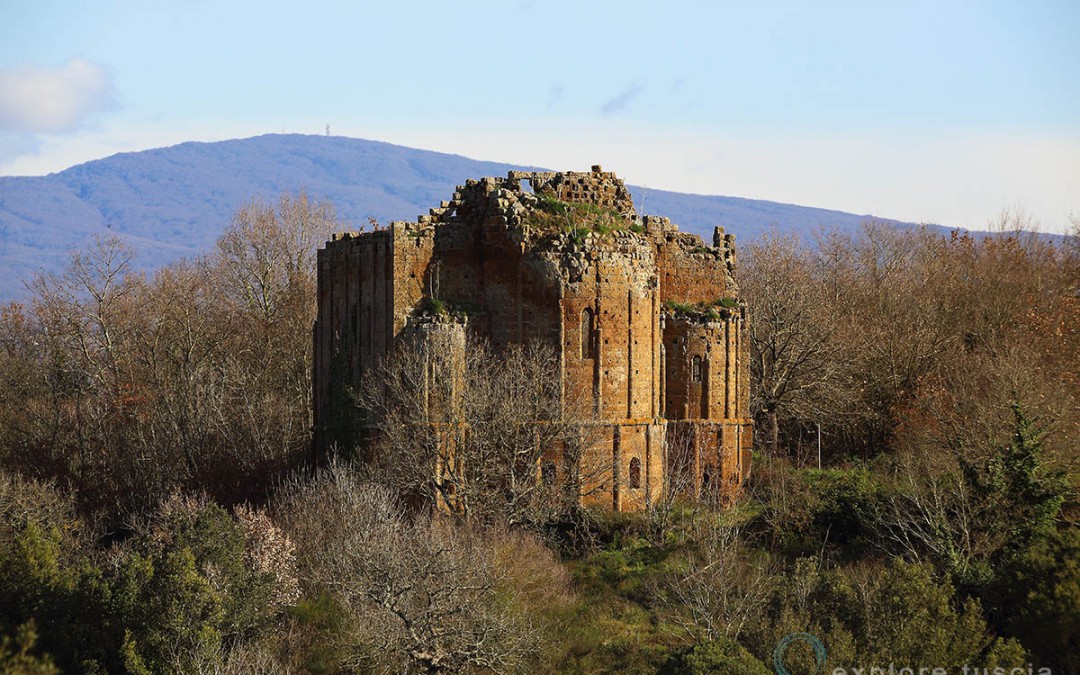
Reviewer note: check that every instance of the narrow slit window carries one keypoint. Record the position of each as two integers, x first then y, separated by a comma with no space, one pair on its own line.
695,369
635,474
586,332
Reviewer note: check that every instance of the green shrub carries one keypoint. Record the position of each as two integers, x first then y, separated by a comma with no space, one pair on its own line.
680,307
315,641
1040,600
578,218
434,307
184,585
720,656
704,311
17,657
48,583
551,204
577,236
865,614
845,507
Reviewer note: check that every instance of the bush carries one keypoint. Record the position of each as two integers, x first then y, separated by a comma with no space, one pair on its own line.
16,657
802,511
846,504
188,583
434,307
48,583
871,614
180,591
719,656
1040,592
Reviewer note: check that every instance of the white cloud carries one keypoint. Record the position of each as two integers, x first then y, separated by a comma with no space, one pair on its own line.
40,100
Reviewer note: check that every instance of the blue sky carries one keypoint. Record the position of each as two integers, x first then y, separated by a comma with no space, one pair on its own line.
946,112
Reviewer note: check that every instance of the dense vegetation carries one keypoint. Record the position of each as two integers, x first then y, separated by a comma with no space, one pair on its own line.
155,515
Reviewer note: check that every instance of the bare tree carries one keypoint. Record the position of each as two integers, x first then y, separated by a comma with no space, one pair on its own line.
265,262
84,320
87,307
421,593
949,504
1072,240
267,253
852,332
723,588
680,486
473,431
197,377
28,406
795,357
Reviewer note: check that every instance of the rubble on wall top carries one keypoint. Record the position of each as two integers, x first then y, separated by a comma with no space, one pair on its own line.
504,203
355,234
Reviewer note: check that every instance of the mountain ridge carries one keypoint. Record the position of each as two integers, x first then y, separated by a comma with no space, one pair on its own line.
174,201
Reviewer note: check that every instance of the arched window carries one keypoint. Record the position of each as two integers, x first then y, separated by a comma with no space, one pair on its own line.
548,472
586,332
695,369
706,477
635,474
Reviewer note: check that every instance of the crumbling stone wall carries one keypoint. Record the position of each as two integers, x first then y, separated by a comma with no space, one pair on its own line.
601,188
646,319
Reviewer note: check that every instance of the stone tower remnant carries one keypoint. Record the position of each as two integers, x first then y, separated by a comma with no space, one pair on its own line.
644,316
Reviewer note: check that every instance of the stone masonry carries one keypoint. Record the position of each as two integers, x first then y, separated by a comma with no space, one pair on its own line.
646,319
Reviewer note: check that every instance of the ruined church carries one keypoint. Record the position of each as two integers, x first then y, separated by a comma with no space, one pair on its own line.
645,318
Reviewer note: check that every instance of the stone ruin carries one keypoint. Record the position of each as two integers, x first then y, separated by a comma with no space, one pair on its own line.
645,317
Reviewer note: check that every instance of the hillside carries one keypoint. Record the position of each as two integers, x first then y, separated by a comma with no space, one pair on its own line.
174,201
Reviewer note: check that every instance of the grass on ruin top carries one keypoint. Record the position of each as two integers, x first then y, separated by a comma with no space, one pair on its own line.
429,306
579,219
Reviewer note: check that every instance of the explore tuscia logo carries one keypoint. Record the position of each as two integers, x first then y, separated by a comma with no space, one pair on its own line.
820,658
785,642
926,670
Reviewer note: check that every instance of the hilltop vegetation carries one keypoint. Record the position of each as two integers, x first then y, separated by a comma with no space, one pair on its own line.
154,516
